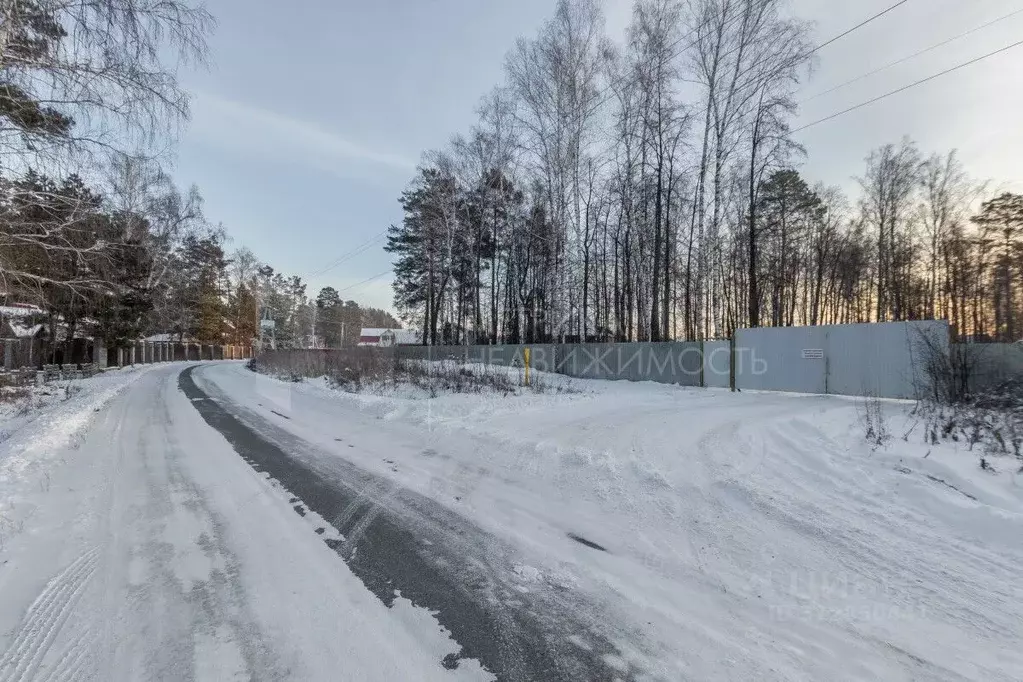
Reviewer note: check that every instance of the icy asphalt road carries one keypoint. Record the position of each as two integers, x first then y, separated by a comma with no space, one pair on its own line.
181,560
399,542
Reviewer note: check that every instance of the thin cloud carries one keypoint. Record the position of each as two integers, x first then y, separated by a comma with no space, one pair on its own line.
259,130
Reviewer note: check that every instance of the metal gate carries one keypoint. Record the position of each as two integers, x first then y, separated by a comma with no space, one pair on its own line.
886,360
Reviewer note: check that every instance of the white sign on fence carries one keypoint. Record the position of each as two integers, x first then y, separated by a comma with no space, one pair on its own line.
813,353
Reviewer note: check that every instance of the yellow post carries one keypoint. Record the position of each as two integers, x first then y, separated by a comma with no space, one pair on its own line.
525,356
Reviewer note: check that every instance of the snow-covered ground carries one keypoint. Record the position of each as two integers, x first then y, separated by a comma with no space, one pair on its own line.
37,423
138,546
747,535
742,536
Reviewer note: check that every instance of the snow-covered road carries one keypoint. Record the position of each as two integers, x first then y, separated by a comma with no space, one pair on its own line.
214,524
156,553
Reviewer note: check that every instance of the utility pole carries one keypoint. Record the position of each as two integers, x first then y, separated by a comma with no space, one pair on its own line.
313,341
267,331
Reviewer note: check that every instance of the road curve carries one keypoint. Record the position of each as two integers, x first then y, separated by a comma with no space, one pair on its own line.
399,542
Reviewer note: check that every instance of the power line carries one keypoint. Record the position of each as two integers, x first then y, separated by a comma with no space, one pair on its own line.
367,281
915,55
671,48
856,27
359,250
911,85
362,248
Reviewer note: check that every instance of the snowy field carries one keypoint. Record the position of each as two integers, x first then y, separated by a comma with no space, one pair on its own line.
710,535
748,535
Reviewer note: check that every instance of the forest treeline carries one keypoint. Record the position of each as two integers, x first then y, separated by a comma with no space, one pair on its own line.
93,231
652,191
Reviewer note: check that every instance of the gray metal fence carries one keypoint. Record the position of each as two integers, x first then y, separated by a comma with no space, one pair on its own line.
717,364
990,363
884,360
887,360
667,363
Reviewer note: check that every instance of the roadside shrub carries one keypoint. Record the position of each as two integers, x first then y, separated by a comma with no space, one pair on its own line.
874,422
544,383
21,400
347,368
355,370
14,394
989,422
448,376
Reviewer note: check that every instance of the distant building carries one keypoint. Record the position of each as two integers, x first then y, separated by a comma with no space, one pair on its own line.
21,321
385,338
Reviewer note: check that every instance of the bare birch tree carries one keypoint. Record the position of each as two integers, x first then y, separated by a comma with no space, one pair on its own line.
556,78
889,185
947,195
746,55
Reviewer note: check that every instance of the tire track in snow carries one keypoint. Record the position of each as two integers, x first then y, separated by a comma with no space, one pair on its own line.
71,663
45,618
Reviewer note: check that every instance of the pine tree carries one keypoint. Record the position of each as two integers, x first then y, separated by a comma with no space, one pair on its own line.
429,249
330,323
31,33
202,296
244,315
786,208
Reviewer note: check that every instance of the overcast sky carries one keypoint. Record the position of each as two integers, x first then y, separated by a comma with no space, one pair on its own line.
315,113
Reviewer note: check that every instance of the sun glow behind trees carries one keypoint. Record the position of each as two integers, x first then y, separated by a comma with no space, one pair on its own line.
651,191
